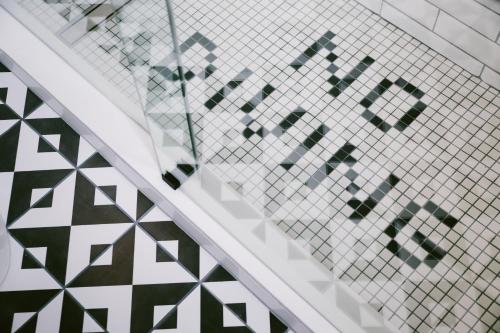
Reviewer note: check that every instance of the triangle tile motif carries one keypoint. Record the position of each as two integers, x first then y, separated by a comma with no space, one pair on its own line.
109,306
36,153
49,317
3,94
239,309
230,318
110,190
23,184
37,194
8,144
119,189
86,212
91,243
143,205
188,250
146,298
25,271
212,316
39,253
105,259
89,251
5,125
147,269
85,151
44,112
29,261
101,198
169,322
68,138
54,239
118,273
31,103
6,113
160,312
95,161
48,143
97,250
26,326
237,299
90,325
73,317
100,315
45,201
162,255
54,209
16,302
185,317
16,92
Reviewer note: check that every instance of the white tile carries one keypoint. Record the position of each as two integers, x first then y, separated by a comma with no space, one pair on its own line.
373,5
494,5
431,39
468,40
419,10
472,14
491,77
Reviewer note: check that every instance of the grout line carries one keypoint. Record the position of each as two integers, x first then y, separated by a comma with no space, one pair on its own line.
482,70
453,16
487,7
432,48
62,290
462,22
435,21
425,42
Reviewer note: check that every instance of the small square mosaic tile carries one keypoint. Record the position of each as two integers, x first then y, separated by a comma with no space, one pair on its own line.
374,150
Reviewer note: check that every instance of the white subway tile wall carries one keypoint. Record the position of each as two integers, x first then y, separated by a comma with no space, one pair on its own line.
494,5
489,75
473,14
468,40
419,10
374,5
465,31
432,39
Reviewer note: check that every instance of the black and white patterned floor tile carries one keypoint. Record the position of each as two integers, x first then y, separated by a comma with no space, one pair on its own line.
91,253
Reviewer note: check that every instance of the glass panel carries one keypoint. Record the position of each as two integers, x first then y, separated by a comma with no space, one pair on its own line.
349,157
130,45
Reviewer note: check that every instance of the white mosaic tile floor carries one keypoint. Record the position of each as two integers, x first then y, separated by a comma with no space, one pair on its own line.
347,133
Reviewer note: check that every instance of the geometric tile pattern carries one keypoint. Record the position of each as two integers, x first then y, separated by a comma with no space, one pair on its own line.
89,252
375,151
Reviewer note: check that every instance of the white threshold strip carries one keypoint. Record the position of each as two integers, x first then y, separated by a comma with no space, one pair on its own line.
129,148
